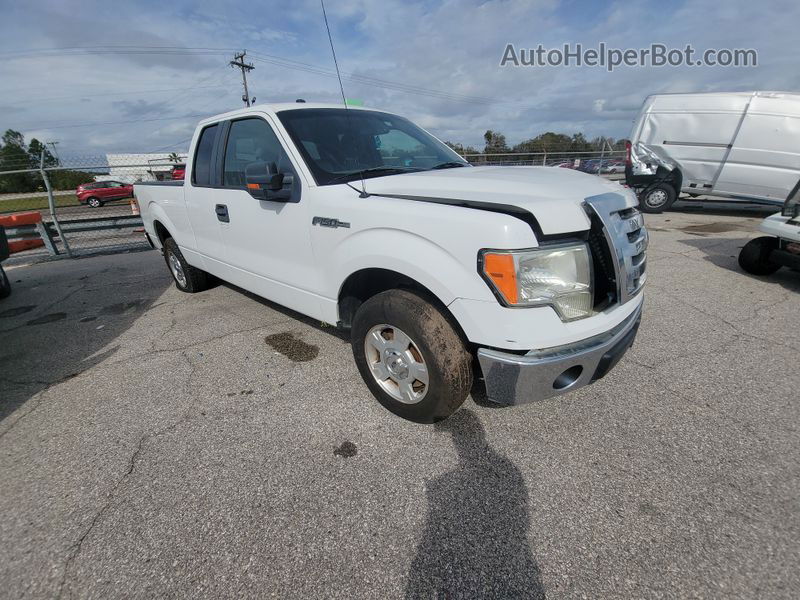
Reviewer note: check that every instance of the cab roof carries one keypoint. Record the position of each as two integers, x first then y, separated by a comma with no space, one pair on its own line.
276,108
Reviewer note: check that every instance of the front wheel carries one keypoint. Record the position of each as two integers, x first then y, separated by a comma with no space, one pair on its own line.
187,278
410,356
754,257
657,198
94,202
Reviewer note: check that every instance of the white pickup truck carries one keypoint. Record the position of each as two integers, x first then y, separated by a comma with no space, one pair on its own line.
530,276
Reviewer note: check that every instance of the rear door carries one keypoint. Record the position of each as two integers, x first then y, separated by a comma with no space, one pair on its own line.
201,189
267,243
116,190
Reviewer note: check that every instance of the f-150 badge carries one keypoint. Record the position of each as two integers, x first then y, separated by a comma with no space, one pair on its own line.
328,222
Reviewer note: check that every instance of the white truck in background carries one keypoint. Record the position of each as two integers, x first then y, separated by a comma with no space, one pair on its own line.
530,276
738,146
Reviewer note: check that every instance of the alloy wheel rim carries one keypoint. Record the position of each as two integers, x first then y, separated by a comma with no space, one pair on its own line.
177,269
396,363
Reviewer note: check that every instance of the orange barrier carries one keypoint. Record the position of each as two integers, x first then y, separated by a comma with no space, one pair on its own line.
17,219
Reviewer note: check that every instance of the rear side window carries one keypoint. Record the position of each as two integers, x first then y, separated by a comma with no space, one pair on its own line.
201,173
249,141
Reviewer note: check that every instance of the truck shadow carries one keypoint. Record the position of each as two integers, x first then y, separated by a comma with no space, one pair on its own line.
475,541
726,256
62,318
329,329
723,209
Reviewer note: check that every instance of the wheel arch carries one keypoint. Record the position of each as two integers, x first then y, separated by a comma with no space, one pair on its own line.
365,283
676,180
162,233
159,225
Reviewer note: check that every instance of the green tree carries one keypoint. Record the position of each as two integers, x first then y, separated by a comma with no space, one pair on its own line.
173,157
461,149
35,149
14,157
495,143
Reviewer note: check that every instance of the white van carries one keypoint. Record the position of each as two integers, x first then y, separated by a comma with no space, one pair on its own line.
742,146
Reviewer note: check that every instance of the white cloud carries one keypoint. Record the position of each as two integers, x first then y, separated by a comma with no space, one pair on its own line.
454,47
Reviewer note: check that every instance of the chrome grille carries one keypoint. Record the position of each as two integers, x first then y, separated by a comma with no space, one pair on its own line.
624,231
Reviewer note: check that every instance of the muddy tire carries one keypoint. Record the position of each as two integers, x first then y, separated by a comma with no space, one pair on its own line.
187,278
754,256
410,356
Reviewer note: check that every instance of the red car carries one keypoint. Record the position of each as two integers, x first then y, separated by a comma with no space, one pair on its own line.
178,172
98,193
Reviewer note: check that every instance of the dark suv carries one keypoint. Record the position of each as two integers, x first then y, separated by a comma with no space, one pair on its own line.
98,193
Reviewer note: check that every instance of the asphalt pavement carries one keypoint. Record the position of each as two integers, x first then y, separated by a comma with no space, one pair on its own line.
154,443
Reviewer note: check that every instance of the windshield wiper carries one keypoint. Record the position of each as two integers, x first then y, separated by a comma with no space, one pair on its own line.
384,170
449,165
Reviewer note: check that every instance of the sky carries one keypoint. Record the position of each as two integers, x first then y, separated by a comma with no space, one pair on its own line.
100,77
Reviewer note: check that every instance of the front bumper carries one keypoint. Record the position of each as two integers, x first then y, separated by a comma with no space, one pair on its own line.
540,374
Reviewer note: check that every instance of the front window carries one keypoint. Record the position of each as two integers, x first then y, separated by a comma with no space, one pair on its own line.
341,145
251,140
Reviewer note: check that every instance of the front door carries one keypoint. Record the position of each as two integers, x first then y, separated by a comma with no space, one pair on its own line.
267,243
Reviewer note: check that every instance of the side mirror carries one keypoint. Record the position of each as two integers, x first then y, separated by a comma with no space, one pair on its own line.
265,183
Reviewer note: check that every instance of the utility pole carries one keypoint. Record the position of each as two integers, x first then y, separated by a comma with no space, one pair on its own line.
53,146
238,62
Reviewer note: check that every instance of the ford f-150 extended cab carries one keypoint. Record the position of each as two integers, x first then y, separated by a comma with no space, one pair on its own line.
529,276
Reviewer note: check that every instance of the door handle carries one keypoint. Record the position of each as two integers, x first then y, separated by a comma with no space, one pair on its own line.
222,213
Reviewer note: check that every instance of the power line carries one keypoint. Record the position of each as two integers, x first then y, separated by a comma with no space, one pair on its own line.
372,81
115,122
126,93
291,63
121,50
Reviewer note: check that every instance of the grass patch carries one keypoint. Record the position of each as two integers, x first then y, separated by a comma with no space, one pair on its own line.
35,203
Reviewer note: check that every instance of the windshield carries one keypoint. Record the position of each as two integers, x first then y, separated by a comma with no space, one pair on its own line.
341,145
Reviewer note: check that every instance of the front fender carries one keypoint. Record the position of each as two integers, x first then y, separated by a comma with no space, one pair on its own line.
412,255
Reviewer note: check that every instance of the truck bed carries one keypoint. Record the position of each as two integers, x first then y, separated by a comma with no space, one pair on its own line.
176,183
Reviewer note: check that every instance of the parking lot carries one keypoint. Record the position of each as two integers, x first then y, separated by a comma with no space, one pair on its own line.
155,443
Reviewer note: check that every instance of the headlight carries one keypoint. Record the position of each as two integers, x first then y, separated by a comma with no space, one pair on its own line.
791,208
559,276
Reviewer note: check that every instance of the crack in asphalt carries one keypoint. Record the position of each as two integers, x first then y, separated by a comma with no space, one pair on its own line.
719,412
732,326
155,352
38,396
45,308
76,548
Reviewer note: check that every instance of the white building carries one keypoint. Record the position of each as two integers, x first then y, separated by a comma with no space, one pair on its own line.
132,168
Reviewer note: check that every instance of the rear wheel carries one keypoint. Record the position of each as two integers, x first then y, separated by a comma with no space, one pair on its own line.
754,257
410,356
657,198
94,202
187,278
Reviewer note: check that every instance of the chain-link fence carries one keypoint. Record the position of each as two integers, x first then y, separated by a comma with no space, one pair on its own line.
609,163
84,205
80,205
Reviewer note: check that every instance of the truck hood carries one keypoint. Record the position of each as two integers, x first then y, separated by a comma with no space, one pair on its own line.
554,196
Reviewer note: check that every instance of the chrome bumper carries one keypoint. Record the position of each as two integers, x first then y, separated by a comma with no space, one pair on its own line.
540,374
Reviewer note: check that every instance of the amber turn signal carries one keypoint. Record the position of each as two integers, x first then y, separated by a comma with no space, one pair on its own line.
500,269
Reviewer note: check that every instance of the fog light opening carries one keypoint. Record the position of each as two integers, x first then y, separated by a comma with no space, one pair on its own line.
567,378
